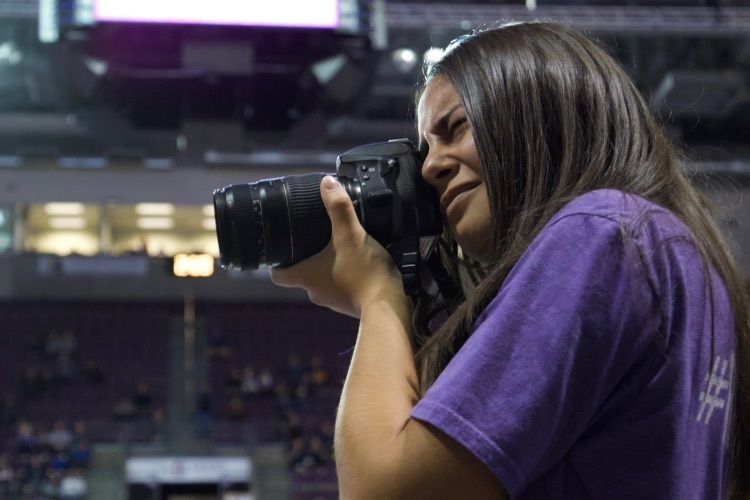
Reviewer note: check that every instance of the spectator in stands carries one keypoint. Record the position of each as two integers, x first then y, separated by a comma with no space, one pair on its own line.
10,411
158,425
33,470
295,370
325,434
59,438
49,486
292,425
596,302
68,342
73,485
296,452
59,461
217,347
66,370
6,477
203,412
80,454
236,411
233,382
250,386
302,398
141,246
319,450
284,400
27,440
319,374
79,431
305,456
142,398
124,409
53,344
266,381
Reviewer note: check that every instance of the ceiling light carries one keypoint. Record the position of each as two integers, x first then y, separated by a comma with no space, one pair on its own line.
404,59
154,223
10,55
154,209
63,208
96,66
67,222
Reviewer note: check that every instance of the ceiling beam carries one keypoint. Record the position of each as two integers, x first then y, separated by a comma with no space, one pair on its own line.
630,20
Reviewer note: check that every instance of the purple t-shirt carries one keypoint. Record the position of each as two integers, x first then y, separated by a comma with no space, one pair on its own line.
592,373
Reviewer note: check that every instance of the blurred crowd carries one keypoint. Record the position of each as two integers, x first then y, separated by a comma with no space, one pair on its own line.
46,463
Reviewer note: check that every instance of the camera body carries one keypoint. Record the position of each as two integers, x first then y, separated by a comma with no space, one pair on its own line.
277,222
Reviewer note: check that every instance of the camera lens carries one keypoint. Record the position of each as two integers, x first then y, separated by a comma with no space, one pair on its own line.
273,222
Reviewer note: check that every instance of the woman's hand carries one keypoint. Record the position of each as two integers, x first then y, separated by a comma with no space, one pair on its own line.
352,270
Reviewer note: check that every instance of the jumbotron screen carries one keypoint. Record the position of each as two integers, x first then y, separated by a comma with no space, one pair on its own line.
282,13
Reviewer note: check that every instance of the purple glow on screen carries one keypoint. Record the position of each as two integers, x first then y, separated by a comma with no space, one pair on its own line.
287,13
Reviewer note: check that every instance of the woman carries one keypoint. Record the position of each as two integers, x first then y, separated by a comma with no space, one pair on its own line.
601,350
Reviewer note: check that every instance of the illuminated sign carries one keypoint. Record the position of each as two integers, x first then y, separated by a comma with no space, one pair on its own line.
195,265
288,13
188,469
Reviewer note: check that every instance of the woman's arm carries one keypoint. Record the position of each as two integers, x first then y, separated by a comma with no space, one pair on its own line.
381,452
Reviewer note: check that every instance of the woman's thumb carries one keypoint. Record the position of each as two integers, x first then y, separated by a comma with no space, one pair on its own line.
336,200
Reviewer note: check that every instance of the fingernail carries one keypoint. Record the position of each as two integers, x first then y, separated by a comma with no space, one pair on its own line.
329,183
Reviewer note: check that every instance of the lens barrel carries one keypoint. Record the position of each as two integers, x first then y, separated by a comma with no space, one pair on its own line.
273,222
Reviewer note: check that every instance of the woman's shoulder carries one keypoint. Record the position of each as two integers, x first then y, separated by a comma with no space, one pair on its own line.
623,211
610,203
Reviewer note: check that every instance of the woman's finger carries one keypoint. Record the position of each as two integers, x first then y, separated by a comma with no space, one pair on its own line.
338,204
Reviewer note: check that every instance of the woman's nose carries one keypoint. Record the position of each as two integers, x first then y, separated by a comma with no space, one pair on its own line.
437,168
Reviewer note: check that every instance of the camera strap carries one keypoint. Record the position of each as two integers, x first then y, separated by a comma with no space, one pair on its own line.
410,250
446,285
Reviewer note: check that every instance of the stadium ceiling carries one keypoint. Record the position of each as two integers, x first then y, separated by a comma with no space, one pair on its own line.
62,105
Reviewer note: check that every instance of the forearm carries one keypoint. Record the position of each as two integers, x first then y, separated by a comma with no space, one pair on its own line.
378,396
380,451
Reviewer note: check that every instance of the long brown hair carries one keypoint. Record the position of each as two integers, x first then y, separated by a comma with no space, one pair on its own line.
553,117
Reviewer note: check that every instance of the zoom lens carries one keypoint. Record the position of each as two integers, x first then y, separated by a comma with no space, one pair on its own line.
273,222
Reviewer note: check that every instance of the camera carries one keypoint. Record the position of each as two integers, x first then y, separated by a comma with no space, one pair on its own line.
280,221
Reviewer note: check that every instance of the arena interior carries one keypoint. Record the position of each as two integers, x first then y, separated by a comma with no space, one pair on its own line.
131,364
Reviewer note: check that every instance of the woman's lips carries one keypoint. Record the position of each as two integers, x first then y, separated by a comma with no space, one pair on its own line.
453,198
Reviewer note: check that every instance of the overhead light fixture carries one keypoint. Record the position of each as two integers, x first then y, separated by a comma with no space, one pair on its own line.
154,223
154,209
193,265
64,208
10,55
96,66
67,222
404,59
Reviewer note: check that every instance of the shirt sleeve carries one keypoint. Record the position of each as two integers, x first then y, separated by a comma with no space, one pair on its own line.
572,316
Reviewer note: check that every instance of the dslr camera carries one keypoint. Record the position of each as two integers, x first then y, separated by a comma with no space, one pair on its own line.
280,221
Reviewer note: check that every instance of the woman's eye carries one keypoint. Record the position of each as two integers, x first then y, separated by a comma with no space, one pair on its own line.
454,128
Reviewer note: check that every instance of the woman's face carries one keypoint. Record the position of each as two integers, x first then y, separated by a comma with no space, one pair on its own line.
453,168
